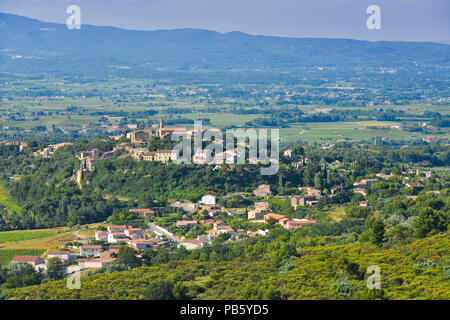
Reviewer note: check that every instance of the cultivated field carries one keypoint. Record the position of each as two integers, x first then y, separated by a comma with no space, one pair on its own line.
11,236
43,239
6,255
361,130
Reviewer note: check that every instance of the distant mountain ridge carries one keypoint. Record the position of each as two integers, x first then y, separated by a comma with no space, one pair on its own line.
29,44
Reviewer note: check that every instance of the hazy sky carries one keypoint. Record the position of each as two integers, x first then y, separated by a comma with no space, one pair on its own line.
409,20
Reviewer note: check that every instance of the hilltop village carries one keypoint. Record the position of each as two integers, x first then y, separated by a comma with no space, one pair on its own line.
192,164
111,206
205,220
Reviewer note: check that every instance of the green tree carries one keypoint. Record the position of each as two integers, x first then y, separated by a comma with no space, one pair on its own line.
431,222
285,252
271,223
377,234
160,290
273,294
55,269
22,274
180,291
127,256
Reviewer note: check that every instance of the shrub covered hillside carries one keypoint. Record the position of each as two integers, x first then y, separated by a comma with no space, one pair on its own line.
285,267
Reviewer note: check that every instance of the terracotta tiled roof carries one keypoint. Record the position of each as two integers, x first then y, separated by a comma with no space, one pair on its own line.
25,258
91,246
58,252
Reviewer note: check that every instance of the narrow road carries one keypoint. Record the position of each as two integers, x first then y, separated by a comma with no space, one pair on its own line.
153,227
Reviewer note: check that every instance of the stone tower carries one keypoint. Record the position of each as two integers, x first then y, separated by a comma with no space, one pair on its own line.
79,177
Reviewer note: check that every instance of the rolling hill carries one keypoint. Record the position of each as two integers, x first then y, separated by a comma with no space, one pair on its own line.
35,46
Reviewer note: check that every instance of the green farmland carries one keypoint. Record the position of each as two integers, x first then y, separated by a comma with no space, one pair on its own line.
25,235
7,255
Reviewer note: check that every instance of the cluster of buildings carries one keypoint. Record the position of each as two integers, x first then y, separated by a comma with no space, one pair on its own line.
90,251
38,263
302,162
144,213
262,191
35,261
199,157
311,197
138,150
22,145
94,255
159,155
87,162
50,149
362,186
286,222
218,227
133,237
141,137
418,176
207,204
261,208
89,158
417,172
303,200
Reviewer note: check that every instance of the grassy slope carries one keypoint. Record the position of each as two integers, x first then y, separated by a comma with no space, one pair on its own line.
51,239
7,202
11,236
311,277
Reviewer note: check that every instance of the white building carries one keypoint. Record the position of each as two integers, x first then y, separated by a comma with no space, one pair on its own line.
262,232
101,235
113,229
192,244
142,244
94,263
117,237
208,199
288,153
90,250
204,238
64,256
134,233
